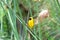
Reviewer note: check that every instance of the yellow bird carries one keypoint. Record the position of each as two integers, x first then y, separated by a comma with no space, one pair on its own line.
31,22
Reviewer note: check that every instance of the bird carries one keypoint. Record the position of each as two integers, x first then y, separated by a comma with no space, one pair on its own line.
31,22
34,21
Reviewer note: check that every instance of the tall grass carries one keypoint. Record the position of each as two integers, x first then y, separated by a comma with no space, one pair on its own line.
11,12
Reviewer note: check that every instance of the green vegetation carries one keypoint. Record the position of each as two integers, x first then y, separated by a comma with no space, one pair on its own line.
14,15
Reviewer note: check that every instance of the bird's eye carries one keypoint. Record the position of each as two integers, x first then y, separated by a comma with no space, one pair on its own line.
29,18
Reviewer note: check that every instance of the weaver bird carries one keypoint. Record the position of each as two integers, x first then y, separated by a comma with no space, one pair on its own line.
31,22
42,15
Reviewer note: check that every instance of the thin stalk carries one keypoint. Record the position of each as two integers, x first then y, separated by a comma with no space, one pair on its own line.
14,29
1,24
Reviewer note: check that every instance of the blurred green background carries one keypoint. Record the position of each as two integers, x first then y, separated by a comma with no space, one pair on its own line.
14,15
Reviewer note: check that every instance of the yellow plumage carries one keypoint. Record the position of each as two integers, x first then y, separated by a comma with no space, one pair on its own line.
31,22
